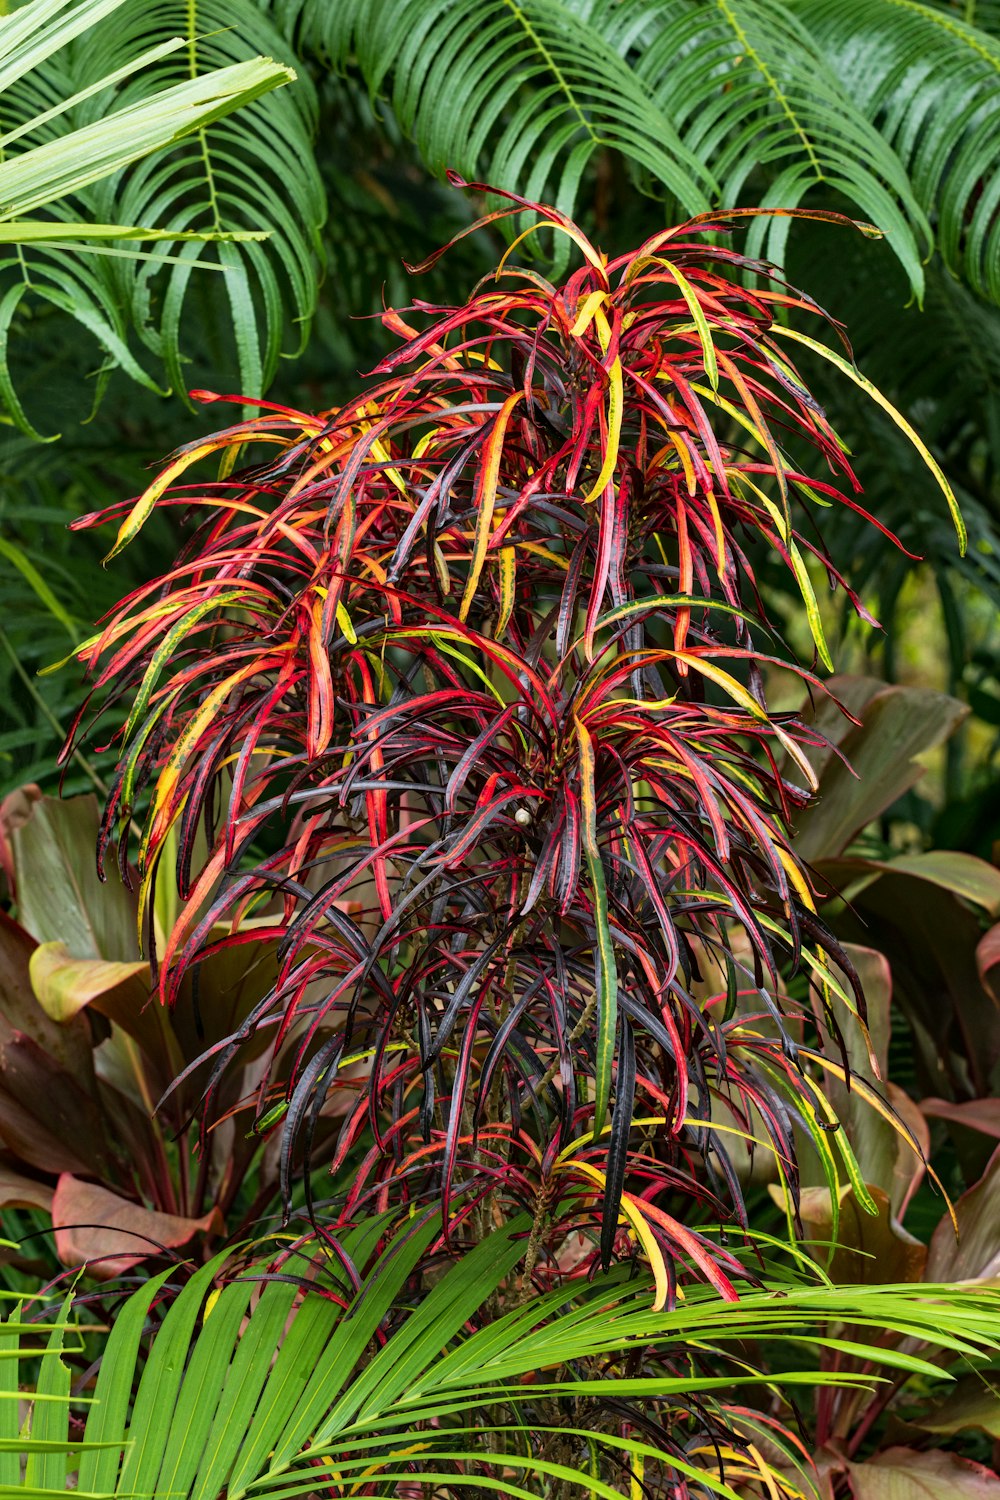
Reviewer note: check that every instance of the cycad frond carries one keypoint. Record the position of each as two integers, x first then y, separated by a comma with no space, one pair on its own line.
525,93
931,83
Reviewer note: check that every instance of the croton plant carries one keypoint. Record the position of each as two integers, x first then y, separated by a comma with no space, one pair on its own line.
462,688
451,718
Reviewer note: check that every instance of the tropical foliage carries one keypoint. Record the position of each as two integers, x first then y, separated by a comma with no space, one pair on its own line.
477,631
61,141
209,1414
888,110
450,726
535,1031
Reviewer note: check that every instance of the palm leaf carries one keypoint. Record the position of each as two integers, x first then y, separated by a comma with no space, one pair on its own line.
277,1405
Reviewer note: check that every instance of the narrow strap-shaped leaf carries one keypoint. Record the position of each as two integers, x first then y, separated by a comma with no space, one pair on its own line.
485,498
46,1470
606,969
202,1388
312,1323
864,384
108,1416
244,1382
10,1343
153,1411
338,1361
621,1124
408,1359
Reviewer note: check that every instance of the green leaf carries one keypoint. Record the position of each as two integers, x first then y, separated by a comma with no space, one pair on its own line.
113,1391
46,1462
932,81
524,92
10,1343
60,896
962,874
148,81
973,1401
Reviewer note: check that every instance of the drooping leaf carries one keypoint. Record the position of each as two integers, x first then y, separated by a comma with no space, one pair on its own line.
111,1234
974,1114
928,77
973,1401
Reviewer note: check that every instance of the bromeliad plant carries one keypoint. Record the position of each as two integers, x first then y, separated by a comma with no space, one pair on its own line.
464,683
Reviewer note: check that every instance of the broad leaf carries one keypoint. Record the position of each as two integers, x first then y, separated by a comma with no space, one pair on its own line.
988,961
974,1401
65,985
974,1253
898,725
111,1234
18,1191
975,1114
909,1474
60,896
873,1250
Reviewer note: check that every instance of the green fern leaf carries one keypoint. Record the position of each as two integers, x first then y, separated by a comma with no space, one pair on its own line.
521,92
61,132
930,81
252,171
749,91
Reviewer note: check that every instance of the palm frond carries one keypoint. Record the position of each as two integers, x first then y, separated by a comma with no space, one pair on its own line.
930,81
284,1387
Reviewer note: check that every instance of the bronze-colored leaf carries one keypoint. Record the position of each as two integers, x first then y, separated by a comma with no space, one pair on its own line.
975,1254
871,1249
111,1234
974,1401
905,1474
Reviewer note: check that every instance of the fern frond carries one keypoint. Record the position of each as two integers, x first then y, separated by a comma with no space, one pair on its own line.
982,13
521,92
930,81
62,129
254,171
749,91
